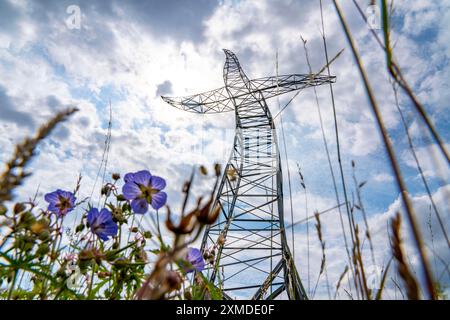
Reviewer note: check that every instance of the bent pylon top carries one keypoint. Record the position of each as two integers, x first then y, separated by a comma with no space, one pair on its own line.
254,261
219,100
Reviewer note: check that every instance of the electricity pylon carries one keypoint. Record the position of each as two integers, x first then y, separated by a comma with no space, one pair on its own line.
254,261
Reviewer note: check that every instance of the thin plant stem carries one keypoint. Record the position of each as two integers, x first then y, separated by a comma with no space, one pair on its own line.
392,159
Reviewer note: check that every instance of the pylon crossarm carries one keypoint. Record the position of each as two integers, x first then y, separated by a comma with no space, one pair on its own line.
218,100
214,101
274,86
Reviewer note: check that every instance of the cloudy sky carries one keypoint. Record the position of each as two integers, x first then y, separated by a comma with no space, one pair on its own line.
131,52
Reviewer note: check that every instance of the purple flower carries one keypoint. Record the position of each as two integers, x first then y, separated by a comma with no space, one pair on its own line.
141,188
195,259
60,202
102,223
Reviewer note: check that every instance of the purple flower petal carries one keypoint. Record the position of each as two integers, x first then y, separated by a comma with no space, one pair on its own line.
139,206
57,205
102,223
53,208
129,177
159,200
92,216
158,183
142,177
195,259
104,216
111,228
131,191
51,197
65,194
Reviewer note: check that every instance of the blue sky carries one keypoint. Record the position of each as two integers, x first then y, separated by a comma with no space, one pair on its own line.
130,52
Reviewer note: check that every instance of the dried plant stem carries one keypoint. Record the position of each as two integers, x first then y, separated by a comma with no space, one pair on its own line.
396,74
419,167
412,288
338,150
358,187
323,261
15,172
359,261
383,281
303,184
392,159
338,285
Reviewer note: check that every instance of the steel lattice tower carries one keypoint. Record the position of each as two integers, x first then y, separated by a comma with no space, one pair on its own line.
255,261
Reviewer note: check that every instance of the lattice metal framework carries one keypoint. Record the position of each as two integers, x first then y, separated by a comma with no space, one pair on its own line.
255,261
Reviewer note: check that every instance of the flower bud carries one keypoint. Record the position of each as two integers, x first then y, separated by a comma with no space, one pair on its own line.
173,280
27,218
221,240
19,207
86,255
79,228
217,169
43,249
44,235
116,176
103,274
203,170
106,190
188,295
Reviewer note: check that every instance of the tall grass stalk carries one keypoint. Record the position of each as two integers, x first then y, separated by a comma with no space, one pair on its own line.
392,158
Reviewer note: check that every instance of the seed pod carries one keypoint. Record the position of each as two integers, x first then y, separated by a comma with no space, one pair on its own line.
147,235
79,228
121,263
38,227
221,240
43,249
44,235
27,219
111,255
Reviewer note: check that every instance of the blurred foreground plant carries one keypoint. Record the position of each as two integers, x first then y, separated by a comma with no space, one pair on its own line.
106,255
